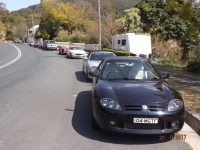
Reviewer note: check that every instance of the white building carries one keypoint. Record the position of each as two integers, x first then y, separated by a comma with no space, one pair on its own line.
31,33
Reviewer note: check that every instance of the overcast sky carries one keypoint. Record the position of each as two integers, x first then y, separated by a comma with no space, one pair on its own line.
12,5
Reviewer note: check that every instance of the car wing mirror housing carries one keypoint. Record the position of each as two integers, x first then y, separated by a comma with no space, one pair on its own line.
94,74
85,57
165,75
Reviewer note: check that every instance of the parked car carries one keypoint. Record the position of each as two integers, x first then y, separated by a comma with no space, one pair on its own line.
49,45
31,43
91,62
76,52
36,44
130,96
18,41
63,49
40,45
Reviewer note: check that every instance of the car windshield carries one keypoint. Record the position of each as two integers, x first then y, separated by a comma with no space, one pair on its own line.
100,56
75,48
129,70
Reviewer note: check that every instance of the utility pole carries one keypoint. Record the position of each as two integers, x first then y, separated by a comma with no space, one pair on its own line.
33,21
26,30
99,24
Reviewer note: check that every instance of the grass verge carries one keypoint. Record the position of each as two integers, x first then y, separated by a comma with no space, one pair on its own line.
191,97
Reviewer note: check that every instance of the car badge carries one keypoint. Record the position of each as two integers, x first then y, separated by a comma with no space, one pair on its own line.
144,107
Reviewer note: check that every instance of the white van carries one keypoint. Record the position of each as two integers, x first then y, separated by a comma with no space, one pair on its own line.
138,44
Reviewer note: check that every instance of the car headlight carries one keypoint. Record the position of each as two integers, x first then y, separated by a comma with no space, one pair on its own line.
175,105
110,103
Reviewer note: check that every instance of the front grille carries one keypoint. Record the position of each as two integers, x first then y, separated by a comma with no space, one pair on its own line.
132,107
156,108
79,54
130,125
139,108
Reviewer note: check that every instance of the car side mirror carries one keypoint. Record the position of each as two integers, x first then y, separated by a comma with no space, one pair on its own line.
85,58
94,74
165,75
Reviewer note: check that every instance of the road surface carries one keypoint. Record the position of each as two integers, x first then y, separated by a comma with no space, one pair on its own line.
45,105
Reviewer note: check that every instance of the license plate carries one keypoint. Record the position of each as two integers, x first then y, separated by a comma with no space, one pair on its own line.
145,120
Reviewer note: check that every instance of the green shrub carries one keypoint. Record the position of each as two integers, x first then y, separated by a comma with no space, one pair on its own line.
75,39
193,66
91,40
119,52
165,62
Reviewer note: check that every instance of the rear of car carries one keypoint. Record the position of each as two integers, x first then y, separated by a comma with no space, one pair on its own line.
63,49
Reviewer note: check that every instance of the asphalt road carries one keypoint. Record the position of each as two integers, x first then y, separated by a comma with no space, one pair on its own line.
45,105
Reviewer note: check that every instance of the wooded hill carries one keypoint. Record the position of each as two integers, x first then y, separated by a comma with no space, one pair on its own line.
120,5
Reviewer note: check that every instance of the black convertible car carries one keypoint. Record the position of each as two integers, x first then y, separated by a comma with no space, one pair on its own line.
130,96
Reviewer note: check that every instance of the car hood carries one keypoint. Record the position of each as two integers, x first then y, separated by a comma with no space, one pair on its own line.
93,63
136,92
77,51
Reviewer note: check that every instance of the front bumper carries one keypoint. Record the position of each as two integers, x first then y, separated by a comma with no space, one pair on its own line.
124,121
78,55
52,48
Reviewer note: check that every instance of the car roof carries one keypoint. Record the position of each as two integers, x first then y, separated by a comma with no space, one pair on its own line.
75,46
126,58
99,51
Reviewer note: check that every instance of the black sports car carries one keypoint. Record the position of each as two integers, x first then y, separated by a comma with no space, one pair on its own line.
130,96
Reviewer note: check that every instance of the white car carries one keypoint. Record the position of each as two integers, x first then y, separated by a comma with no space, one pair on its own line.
52,45
76,52
93,60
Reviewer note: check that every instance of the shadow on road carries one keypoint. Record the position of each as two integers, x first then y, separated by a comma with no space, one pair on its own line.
81,123
81,77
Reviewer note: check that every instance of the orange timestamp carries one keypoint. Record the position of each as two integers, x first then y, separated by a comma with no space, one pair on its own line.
176,136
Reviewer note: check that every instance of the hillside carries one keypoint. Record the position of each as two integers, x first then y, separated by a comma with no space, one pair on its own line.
119,4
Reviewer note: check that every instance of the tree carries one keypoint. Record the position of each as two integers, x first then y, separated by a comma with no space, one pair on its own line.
3,20
175,19
174,28
152,14
42,34
58,16
131,20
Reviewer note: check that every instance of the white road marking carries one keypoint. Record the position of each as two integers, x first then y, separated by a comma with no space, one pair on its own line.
19,55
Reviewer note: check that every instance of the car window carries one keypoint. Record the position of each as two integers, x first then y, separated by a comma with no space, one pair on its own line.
129,70
75,48
100,56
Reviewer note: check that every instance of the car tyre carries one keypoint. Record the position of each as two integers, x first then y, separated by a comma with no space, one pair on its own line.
86,75
94,123
83,70
70,56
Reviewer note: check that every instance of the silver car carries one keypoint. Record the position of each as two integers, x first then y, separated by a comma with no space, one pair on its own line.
91,62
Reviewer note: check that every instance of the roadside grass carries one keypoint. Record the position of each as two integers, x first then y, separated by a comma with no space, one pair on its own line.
176,69
191,97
